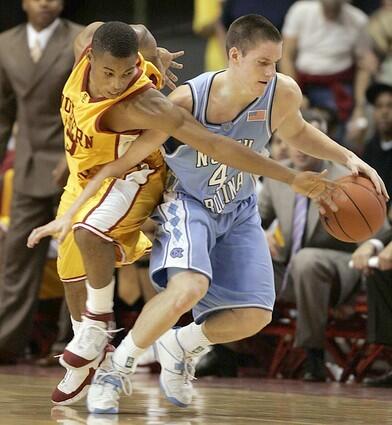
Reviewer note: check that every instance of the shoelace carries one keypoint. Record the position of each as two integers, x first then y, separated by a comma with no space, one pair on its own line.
189,370
124,379
91,335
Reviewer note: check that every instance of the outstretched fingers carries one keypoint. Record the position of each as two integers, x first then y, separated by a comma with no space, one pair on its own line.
175,55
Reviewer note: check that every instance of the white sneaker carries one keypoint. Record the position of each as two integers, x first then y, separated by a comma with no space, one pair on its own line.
74,386
89,342
147,358
177,369
105,390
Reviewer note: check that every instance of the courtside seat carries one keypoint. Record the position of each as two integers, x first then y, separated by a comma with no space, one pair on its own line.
345,342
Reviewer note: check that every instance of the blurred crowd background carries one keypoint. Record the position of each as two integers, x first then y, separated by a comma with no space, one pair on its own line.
340,53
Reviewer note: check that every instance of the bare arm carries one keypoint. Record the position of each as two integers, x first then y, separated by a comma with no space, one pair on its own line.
172,117
154,111
291,127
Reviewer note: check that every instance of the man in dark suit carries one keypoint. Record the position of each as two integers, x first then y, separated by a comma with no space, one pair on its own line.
379,288
378,150
311,267
35,61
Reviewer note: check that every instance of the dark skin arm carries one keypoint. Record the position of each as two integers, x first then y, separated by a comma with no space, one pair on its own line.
153,111
162,117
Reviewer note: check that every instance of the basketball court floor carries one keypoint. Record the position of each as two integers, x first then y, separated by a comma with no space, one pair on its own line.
25,399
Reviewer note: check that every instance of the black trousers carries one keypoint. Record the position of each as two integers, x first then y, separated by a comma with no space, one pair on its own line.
379,288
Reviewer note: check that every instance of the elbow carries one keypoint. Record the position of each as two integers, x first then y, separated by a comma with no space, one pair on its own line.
175,121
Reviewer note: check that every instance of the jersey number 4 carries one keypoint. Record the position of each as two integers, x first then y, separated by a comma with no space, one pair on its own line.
219,176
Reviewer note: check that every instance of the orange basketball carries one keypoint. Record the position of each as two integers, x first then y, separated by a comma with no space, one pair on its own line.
361,213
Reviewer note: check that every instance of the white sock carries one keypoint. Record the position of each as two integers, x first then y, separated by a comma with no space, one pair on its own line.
193,339
100,301
75,325
126,354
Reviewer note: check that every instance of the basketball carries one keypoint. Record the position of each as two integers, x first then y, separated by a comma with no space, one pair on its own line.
361,211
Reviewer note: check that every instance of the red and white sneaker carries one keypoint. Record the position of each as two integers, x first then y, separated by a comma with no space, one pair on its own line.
75,384
90,341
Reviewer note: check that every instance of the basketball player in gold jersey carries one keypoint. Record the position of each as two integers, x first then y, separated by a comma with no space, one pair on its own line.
107,100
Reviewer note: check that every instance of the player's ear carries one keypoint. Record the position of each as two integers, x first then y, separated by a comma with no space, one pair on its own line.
89,54
234,54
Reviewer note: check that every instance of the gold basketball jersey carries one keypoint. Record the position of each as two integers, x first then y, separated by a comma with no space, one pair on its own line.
87,145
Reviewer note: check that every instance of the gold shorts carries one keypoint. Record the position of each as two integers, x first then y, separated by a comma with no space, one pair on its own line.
115,214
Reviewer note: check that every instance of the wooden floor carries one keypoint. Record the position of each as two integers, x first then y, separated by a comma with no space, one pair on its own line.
25,399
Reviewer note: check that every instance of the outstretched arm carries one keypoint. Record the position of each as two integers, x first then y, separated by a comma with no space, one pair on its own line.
293,129
164,118
149,142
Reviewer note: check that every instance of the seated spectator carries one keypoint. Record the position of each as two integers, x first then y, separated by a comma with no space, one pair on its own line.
278,148
310,265
379,297
378,150
379,29
322,51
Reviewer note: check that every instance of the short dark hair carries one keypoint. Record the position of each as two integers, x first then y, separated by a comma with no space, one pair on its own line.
116,38
375,90
245,31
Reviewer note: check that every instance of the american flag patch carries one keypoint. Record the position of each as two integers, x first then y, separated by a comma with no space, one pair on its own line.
258,115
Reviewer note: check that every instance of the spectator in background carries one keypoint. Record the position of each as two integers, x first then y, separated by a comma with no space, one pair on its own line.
379,290
310,266
279,149
378,150
205,24
31,81
380,32
378,60
322,51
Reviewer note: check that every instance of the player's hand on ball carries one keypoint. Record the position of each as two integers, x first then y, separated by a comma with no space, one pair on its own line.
356,166
316,187
58,228
167,60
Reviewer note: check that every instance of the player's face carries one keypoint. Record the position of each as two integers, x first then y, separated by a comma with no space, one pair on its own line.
41,13
258,66
303,162
332,8
111,76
